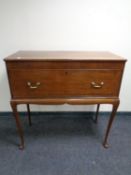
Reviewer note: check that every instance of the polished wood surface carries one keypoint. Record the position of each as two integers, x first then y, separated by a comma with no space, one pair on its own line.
40,83
64,55
52,77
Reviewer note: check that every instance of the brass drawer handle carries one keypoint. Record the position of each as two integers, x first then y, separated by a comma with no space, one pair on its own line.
33,86
97,85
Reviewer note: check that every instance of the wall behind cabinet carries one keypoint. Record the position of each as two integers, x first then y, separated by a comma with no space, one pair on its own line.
65,25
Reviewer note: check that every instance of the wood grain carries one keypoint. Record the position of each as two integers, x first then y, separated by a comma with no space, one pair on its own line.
59,77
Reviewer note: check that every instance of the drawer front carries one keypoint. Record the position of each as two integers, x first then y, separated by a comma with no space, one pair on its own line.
41,83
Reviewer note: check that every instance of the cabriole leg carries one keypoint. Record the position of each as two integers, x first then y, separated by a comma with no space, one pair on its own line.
113,113
18,124
97,112
29,116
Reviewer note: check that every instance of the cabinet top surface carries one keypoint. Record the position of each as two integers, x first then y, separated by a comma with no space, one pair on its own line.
64,55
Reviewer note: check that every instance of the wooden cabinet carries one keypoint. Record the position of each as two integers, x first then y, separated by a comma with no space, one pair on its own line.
56,77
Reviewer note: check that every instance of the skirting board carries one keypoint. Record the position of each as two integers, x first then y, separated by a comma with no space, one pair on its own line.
89,113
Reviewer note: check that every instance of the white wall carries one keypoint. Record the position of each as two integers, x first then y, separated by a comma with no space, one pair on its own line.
65,25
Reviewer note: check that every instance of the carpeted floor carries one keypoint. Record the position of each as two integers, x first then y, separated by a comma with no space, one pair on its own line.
65,144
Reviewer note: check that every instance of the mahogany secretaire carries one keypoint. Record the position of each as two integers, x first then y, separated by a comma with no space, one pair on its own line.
59,77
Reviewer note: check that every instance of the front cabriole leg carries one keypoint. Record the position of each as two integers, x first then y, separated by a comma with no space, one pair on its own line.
113,113
18,124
